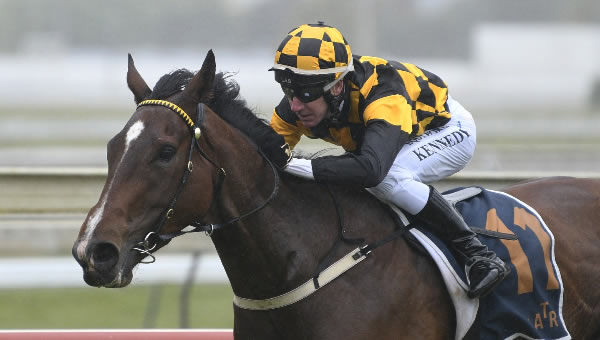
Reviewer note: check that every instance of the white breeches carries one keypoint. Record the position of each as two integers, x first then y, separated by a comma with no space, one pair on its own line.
428,158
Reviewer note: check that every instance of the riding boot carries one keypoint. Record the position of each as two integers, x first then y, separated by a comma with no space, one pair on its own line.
483,268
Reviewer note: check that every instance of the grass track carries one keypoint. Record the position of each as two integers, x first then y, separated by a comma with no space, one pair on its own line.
210,306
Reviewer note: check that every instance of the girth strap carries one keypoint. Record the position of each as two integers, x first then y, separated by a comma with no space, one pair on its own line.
307,288
325,275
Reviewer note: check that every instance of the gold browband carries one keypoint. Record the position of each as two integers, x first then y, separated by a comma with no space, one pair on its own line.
171,106
177,110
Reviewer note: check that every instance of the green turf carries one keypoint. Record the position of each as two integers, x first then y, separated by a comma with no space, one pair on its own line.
210,306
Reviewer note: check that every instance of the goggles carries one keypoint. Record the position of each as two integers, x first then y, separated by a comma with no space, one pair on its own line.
307,93
307,88
304,94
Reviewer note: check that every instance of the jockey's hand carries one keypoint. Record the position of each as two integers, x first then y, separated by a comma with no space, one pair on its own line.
300,167
279,153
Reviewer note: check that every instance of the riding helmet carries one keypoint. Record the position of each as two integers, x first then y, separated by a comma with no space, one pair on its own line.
312,54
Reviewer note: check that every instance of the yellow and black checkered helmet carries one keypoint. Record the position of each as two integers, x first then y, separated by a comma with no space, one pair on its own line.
315,51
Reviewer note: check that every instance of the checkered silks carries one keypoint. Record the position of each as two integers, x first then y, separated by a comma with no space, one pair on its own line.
314,47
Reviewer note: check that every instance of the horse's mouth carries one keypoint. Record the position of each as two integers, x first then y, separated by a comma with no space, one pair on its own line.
108,264
119,276
121,280
124,275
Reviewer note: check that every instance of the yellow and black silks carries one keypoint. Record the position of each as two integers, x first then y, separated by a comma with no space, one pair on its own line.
396,101
313,49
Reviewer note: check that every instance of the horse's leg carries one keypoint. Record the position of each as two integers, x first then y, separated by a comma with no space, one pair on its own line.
571,209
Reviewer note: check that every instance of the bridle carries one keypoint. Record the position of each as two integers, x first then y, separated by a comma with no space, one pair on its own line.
152,239
323,275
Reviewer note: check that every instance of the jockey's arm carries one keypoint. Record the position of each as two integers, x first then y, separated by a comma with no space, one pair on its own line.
370,164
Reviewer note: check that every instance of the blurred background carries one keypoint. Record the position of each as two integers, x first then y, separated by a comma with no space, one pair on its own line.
528,70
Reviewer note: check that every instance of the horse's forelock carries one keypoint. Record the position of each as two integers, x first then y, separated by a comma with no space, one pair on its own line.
171,83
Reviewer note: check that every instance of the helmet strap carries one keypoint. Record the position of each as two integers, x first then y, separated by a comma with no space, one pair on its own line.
337,106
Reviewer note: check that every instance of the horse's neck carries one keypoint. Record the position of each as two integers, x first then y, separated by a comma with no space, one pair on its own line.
274,246
248,183
280,246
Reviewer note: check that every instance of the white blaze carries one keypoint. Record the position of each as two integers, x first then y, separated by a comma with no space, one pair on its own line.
132,134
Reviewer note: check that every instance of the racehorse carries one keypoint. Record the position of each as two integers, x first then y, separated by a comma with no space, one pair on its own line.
272,230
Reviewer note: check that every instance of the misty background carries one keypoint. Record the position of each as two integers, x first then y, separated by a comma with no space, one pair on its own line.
528,70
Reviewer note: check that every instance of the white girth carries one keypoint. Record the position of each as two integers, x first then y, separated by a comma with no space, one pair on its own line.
307,288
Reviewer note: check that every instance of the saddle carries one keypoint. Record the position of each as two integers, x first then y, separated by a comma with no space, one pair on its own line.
528,303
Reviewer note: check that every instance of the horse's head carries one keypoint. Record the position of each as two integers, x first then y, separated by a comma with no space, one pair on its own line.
147,163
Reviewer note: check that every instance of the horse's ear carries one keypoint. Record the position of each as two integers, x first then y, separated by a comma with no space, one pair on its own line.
136,84
200,87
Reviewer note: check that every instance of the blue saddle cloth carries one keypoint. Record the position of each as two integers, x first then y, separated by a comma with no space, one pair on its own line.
528,303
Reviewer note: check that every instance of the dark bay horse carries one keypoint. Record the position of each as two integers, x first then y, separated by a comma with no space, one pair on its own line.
290,224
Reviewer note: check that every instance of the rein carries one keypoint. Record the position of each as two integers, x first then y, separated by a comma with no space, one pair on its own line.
152,239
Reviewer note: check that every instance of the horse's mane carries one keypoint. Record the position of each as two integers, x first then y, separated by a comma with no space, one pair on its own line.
226,102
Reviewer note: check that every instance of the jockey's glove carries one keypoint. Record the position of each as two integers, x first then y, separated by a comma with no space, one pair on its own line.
300,167
277,151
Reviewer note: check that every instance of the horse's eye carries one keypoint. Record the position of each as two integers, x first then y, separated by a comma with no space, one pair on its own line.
166,153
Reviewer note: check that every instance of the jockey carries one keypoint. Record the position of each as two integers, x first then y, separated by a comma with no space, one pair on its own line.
399,126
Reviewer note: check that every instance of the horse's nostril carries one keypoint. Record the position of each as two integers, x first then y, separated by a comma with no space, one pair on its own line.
77,256
105,256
